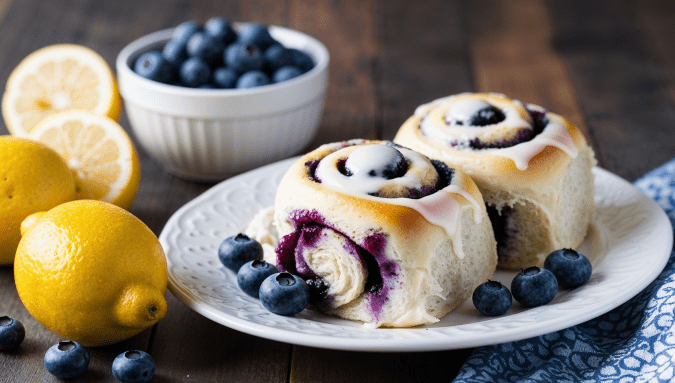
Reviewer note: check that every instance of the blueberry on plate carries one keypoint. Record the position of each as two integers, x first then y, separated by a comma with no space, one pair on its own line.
238,249
252,274
133,367
301,60
243,57
194,72
224,77
205,47
252,79
12,333
382,161
534,286
153,66
285,73
255,34
220,29
284,294
492,298
276,56
67,359
570,267
184,31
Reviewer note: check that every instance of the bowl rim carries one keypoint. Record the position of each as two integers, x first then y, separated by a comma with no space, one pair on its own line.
219,103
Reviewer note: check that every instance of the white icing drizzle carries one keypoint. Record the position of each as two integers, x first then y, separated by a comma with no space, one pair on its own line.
439,208
438,124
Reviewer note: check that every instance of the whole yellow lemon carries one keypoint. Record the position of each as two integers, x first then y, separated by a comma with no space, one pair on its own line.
33,178
91,272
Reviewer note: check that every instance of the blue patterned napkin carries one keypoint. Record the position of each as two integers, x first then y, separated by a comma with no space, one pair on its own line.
633,343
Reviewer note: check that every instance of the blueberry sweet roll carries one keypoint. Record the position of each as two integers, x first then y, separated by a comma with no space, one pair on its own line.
382,234
532,166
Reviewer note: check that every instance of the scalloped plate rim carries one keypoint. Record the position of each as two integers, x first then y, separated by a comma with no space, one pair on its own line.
418,339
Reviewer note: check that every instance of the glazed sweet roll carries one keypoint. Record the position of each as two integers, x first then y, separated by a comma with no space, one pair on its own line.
382,234
532,166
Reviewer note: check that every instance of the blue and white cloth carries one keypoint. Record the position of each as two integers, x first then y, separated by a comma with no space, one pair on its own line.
633,343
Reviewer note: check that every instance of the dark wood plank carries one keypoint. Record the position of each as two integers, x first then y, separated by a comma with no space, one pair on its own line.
511,54
424,55
619,84
348,30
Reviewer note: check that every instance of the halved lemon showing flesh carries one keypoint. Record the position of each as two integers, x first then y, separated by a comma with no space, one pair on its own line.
98,151
58,78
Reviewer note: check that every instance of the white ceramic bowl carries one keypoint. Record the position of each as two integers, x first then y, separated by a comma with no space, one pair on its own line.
210,134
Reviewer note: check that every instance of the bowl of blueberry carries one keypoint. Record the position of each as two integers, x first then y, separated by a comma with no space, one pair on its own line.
210,100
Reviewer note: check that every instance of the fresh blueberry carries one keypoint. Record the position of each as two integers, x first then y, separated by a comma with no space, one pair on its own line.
185,30
194,72
285,73
220,29
487,116
174,52
243,58
153,66
492,298
284,294
255,34
238,249
252,274
225,77
252,79
12,333
276,56
66,360
534,287
382,161
302,60
205,47
133,367
570,267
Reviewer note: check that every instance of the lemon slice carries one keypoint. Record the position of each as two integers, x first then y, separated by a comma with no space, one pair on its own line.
55,79
98,151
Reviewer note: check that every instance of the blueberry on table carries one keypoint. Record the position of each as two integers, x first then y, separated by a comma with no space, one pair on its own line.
220,29
205,47
492,298
194,72
133,367
12,333
238,249
285,73
252,274
224,77
243,57
185,30
255,34
252,79
153,66
302,60
534,286
284,294
67,359
570,267
382,161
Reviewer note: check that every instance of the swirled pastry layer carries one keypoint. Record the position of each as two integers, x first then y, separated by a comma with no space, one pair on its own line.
532,166
368,225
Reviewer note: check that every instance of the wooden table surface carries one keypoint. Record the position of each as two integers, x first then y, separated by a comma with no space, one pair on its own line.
609,66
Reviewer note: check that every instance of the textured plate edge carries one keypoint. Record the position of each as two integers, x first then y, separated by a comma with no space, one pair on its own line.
414,343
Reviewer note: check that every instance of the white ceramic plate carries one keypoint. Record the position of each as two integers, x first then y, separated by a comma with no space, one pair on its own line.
628,244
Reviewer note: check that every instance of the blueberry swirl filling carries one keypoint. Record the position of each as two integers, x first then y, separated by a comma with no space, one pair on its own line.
493,122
